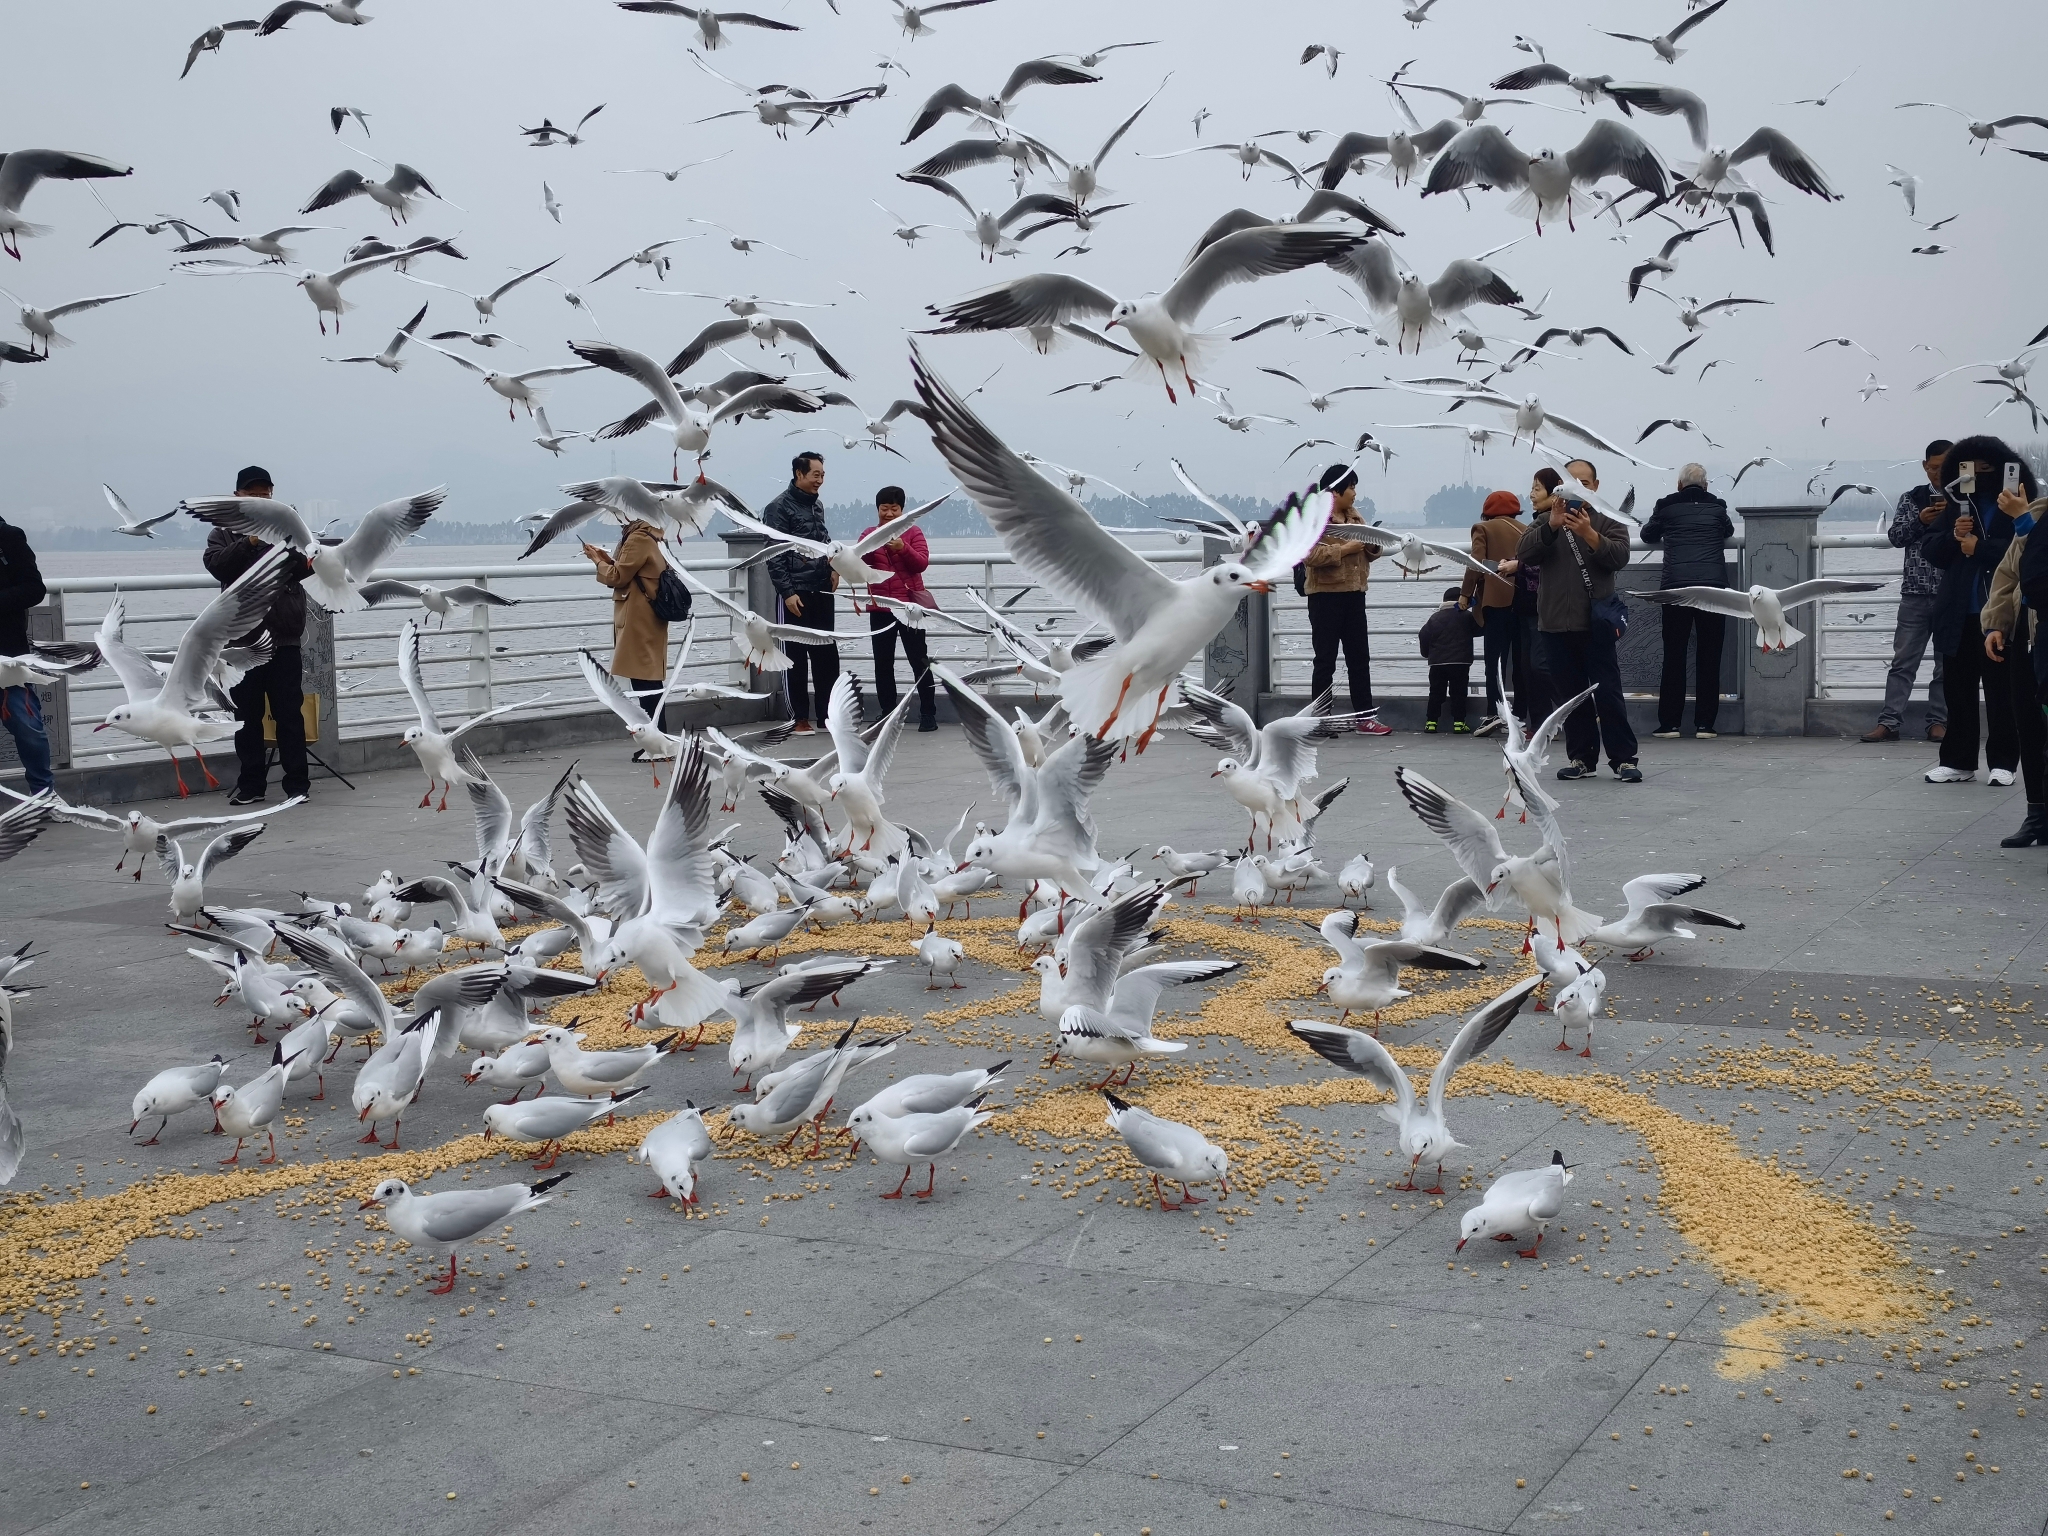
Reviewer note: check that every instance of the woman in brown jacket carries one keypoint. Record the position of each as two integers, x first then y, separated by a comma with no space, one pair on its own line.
639,639
1338,569
1495,537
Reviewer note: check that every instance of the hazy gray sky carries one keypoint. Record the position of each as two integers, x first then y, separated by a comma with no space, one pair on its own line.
165,395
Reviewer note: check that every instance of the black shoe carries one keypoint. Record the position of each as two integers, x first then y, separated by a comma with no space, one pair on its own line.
927,725
243,797
2033,830
1575,770
1628,773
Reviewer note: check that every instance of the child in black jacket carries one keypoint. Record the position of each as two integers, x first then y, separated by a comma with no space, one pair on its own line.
1446,642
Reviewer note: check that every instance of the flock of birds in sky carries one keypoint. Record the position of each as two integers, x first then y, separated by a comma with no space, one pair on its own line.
309,975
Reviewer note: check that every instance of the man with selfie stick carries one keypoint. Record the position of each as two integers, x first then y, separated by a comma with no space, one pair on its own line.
1918,511
1578,621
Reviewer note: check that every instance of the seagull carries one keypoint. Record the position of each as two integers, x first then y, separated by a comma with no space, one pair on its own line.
41,324
430,744
243,1109
768,330
1655,914
1529,415
1418,308
1579,1002
1485,156
848,560
21,169
486,303
187,877
440,601
1763,606
174,1090
1327,52
1418,13
1161,324
547,135
646,256
1250,155
760,1013
1666,43
1179,1151
209,41
269,245
1870,386
512,387
1432,926
337,569
138,527
669,175
1589,88
324,288
1368,975
758,640
673,1149
953,98
1424,1135
161,708
454,1216
1517,1203
389,359
911,17
1542,883
1983,131
348,12
1265,767
988,227
1661,262
1317,401
689,431
1159,623
1669,365
1677,422
711,24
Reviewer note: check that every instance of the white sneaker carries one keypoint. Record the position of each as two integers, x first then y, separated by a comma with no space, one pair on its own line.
2000,776
1946,775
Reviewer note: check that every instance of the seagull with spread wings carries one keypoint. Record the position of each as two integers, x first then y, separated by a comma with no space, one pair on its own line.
689,430
486,303
1665,44
711,24
515,388
22,169
1160,624
338,569
434,747
954,98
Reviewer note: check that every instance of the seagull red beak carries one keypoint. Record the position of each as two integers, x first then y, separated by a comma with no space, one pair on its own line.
1461,1246
101,726
368,1203
1258,586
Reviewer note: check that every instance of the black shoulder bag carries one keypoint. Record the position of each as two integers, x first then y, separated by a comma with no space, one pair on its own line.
1609,610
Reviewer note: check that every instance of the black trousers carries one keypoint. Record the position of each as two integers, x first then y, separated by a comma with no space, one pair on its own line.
887,631
1503,629
648,689
1576,660
1447,690
813,669
2028,720
1534,695
1709,631
279,681
1962,675
1337,619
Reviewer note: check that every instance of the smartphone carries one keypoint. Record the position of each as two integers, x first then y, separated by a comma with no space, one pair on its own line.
2012,476
1966,478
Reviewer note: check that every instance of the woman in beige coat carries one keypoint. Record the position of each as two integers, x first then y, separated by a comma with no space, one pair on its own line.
639,639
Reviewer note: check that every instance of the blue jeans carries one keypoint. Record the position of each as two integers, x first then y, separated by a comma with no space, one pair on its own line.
23,712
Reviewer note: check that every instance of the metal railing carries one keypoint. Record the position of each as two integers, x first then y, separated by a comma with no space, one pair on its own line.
498,656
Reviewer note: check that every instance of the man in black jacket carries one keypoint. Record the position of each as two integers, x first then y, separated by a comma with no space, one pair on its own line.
805,586
279,680
21,588
1693,525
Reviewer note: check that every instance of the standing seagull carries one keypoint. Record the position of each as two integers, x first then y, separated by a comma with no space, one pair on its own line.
1161,324
1425,1136
1160,624
1166,1146
188,877
21,169
454,1216
1516,1203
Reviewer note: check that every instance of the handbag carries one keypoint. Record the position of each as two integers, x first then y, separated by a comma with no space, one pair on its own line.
1609,610
670,600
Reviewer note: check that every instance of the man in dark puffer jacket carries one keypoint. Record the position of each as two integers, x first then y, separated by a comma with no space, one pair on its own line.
1693,526
805,583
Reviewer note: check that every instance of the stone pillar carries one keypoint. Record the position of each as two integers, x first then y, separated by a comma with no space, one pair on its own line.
752,589
1238,661
46,623
1778,551
317,676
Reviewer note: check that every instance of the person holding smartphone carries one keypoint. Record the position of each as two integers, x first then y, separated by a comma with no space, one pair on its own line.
1968,541
2008,620
1578,550
1918,511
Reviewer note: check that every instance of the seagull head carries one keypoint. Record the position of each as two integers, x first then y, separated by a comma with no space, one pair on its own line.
1122,314
1215,1163
118,718
390,1189
1329,976
1225,766
413,734
1477,1222
1231,574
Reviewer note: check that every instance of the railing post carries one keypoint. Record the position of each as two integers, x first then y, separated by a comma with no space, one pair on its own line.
1778,551
480,690
317,674
754,591
46,623
1238,660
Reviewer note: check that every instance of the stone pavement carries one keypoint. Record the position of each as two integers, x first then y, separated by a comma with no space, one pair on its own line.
1035,1350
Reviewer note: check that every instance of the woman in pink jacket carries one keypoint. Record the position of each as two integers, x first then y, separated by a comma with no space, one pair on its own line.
906,556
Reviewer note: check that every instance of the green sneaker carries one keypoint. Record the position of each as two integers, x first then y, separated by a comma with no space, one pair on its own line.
1461,729
1429,727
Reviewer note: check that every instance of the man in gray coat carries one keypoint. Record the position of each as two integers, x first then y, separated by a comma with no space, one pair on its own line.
1578,550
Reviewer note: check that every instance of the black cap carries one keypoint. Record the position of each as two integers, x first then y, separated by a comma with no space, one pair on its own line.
252,477
889,496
